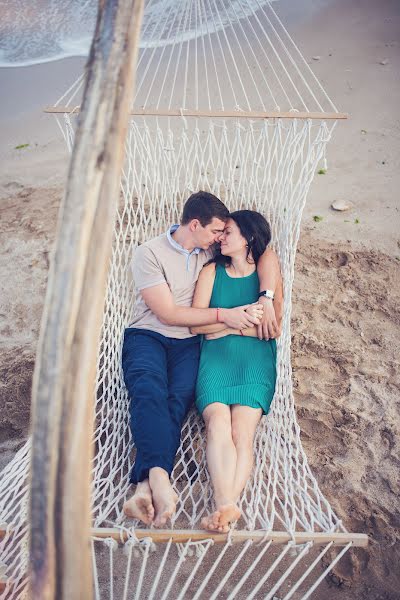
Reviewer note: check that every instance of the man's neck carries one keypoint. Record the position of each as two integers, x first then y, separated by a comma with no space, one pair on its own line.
184,237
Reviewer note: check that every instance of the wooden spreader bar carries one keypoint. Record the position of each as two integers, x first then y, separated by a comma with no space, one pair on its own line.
223,114
359,540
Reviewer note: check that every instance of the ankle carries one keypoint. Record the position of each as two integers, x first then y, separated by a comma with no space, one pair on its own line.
158,476
158,472
143,487
224,499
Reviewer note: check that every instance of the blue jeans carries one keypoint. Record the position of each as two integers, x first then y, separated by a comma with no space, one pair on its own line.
160,374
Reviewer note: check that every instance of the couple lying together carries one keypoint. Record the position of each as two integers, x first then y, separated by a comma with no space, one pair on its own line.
211,275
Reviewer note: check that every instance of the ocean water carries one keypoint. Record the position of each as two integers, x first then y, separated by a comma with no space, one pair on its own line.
38,31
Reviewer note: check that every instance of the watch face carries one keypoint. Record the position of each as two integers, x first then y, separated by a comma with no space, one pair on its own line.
267,294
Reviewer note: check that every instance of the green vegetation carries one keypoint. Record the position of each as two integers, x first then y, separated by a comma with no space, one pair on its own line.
356,221
317,218
322,172
21,146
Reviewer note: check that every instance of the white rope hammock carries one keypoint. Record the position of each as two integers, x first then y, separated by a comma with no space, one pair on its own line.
246,62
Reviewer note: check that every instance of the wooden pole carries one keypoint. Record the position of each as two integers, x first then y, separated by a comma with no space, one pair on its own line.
64,379
220,114
181,536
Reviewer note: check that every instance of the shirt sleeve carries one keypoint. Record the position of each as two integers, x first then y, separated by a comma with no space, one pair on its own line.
146,269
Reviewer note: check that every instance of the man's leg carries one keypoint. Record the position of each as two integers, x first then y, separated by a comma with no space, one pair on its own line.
183,365
144,363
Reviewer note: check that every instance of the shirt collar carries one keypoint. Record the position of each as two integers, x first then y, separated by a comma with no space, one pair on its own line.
177,246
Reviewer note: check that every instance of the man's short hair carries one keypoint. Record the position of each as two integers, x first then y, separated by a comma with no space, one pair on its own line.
204,207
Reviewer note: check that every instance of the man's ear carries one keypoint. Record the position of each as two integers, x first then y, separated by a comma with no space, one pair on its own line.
194,224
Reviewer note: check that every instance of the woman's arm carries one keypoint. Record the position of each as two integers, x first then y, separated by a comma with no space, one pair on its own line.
248,332
202,297
269,274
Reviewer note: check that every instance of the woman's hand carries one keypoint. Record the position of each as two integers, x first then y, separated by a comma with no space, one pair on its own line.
220,334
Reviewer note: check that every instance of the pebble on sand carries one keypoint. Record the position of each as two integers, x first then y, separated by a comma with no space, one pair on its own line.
385,61
316,58
341,205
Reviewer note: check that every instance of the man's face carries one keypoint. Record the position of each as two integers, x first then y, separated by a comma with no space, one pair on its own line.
208,235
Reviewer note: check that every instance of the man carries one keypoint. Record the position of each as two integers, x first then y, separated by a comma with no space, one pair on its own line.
160,356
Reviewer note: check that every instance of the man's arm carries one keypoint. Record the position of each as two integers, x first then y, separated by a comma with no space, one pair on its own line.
161,302
150,280
269,274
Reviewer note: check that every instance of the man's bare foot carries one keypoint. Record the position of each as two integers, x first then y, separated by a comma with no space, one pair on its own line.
165,509
140,506
164,497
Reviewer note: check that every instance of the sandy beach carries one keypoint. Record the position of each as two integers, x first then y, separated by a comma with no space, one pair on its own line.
346,313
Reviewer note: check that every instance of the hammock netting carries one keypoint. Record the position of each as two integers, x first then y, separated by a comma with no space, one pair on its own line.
245,62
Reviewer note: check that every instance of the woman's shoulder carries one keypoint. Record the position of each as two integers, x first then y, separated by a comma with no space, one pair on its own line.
210,267
208,270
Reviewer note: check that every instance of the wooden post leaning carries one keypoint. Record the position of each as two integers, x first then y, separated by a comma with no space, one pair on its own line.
64,379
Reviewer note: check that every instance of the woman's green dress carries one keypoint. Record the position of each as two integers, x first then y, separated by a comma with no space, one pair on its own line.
236,369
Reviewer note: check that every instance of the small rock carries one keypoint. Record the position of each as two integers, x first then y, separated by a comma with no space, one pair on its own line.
340,205
385,61
316,58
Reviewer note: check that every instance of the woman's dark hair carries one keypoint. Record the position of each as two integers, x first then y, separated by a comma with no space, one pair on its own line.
204,207
256,231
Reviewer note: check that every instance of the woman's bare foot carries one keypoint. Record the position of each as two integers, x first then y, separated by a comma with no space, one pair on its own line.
221,520
229,513
211,522
140,505
164,497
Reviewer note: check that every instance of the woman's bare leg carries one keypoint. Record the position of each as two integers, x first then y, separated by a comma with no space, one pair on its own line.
221,462
244,425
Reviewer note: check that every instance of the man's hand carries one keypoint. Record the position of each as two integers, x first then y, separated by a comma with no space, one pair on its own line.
268,328
255,310
238,318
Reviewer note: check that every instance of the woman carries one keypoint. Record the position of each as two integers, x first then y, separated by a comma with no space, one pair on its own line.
237,373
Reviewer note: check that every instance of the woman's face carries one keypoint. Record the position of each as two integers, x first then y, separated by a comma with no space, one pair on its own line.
232,241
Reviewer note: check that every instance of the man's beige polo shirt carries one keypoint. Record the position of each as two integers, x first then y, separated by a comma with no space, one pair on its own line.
163,260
